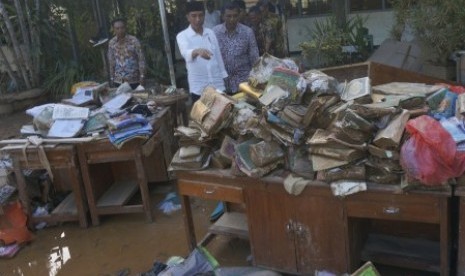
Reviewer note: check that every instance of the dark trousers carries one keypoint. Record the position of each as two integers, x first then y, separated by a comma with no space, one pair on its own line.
133,85
194,98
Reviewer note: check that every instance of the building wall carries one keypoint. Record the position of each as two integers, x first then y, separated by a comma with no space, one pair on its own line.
299,30
379,24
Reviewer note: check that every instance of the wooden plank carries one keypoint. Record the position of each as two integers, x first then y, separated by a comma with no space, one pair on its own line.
118,194
211,191
459,191
402,252
381,74
110,156
188,222
231,223
67,206
114,210
445,237
348,72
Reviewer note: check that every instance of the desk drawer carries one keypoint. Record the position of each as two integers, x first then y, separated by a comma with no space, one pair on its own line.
395,207
211,191
57,159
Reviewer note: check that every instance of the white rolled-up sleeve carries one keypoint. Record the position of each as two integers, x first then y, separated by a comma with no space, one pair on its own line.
183,44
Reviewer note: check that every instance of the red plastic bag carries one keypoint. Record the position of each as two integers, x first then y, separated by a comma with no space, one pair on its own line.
430,155
13,225
457,89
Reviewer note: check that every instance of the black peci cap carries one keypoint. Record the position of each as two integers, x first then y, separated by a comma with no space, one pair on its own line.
194,6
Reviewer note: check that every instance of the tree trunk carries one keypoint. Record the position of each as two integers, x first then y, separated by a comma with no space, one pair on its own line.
16,46
35,39
339,10
100,18
9,70
2,28
94,11
26,40
72,37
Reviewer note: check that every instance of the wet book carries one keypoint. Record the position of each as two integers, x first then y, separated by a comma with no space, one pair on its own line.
67,112
190,163
243,153
96,123
66,128
390,136
345,154
264,153
6,191
126,120
144,130
356,89
9,251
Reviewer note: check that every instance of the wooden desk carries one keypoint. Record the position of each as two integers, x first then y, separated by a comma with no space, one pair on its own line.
215,185
60,157
410,230
317,231
112,176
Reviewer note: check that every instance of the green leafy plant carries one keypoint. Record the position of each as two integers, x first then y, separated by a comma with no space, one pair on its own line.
328,38
325,47
62,78
358,36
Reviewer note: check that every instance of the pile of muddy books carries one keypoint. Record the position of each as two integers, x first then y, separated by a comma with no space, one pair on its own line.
317,127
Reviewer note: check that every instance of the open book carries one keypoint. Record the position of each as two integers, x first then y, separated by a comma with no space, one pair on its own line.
66,128
61,111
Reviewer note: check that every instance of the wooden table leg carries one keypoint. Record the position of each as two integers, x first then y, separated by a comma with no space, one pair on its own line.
144,189
78,196
22,190
188,222
461,236
88,187
185,116
445,243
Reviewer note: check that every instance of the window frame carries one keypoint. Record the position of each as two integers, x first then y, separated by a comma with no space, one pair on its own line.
383,7
348,9
300,15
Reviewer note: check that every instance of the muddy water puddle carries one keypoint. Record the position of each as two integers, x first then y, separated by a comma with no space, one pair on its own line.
121,242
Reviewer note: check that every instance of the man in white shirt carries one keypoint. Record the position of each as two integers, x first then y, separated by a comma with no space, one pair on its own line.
200,49
212,16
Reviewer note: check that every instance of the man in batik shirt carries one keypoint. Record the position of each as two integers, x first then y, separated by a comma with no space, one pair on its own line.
125,56
254,20
237,45
271,30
